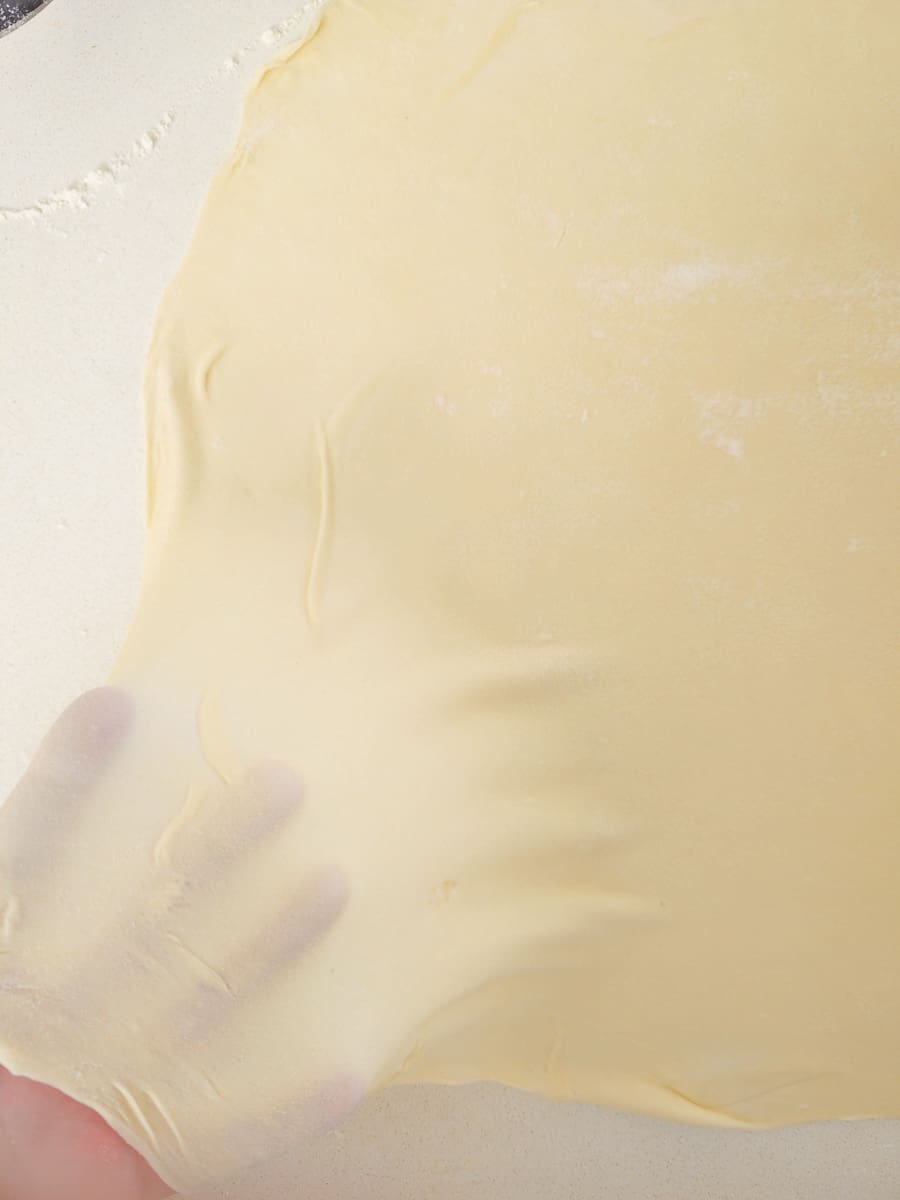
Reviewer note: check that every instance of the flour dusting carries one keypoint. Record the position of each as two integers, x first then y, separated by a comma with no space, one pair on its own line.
79,195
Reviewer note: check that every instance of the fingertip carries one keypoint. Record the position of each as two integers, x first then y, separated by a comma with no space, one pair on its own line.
310,914
110,708
274,776
336,1101
72,757
317,907
95,723
332,888
344,1095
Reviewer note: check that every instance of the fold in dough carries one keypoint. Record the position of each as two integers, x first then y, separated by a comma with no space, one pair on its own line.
523,470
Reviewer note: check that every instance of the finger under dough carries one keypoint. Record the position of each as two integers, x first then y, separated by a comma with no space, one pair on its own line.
218,826
43,811
273,950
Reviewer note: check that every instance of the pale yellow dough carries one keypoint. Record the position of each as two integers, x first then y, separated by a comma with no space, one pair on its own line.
523,470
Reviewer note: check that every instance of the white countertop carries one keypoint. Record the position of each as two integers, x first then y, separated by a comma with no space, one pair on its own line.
112,120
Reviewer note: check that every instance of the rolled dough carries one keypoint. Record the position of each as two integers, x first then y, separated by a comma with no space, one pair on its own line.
523,440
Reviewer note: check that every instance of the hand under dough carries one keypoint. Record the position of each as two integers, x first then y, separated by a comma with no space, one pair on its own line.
51,1146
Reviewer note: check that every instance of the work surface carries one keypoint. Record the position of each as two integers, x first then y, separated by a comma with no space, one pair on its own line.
111,124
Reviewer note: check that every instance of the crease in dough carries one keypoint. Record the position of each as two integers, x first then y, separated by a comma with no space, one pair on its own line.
313,583
205,969
498,39
193,804
214,739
